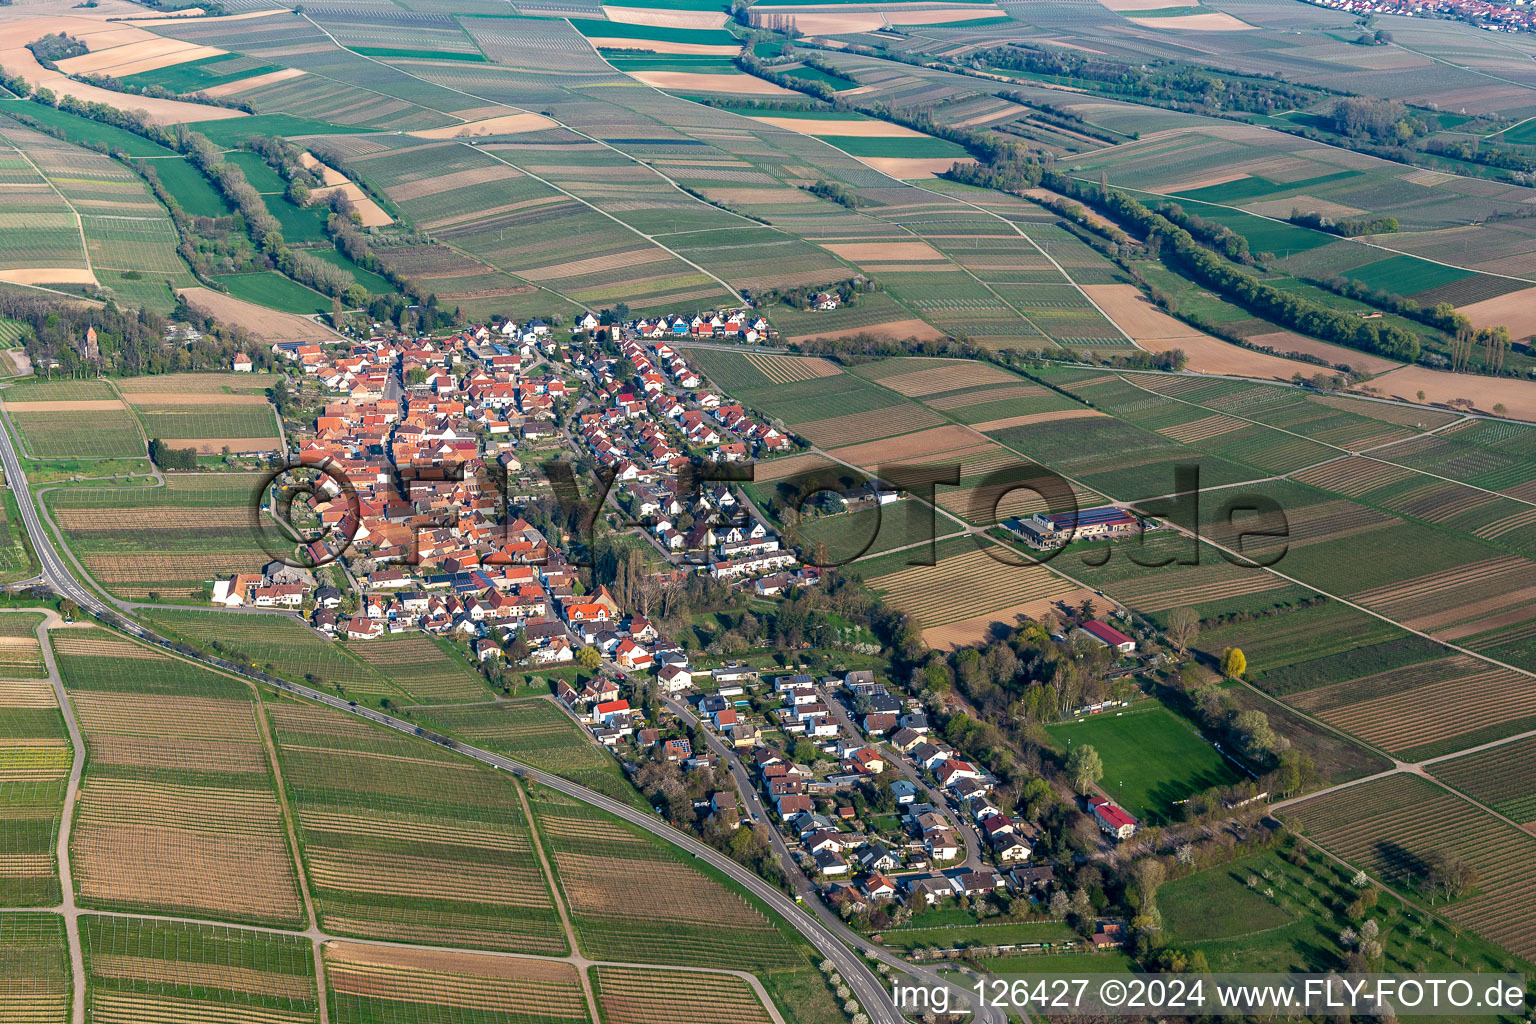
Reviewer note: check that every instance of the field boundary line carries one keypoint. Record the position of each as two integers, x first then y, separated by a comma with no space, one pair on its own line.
294,850
85,249
627,227
68,908
1399,765
1346,453
1274,220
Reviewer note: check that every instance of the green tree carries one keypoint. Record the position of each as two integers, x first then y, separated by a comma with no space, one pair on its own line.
1085,768
589,658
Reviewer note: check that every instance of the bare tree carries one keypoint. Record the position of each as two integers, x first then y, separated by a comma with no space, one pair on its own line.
1183,627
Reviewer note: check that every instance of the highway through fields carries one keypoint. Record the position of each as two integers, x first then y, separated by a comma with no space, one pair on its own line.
866,985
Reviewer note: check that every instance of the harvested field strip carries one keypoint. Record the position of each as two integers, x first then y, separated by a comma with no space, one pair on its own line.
1427,595
1391,826
965,586
631,996
864,426
369,977
783,369
1353,476
446,859
945,377
981,397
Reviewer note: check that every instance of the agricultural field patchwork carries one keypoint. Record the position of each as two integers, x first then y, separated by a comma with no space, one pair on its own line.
73,420
1501,778
184,535
1390,827
177,791
406,842
542,734
1152,758
606,869
35,761
167,970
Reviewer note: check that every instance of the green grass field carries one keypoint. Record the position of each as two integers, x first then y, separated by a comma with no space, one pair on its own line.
274,291
537,732
1152,758
203,73
232,131
190,188
83,130
280,645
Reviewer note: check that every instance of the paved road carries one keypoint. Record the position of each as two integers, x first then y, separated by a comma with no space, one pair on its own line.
865,983
753,802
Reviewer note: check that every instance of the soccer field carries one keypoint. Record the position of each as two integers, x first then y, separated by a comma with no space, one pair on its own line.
1152,758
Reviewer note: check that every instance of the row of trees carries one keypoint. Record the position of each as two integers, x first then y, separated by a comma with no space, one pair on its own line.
1348,227
1164,83
1205,267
